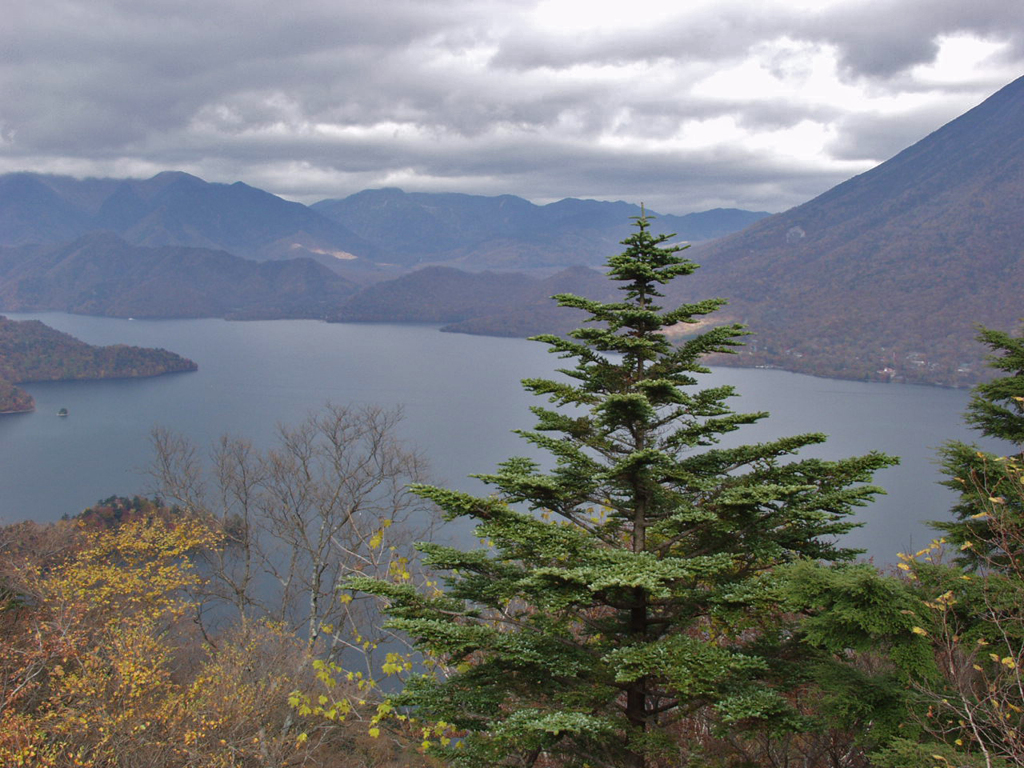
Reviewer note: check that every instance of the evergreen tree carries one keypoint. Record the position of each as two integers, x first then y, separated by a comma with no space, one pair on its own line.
996,410
939,649
997,406
631,586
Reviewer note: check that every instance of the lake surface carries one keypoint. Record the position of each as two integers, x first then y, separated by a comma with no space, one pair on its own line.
461,398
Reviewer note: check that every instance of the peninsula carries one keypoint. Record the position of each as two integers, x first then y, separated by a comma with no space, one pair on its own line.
32,351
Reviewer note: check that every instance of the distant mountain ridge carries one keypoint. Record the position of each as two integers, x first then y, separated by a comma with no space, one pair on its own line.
360,232
508,232
169,209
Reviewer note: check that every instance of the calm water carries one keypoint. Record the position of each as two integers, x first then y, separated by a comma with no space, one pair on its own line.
461,398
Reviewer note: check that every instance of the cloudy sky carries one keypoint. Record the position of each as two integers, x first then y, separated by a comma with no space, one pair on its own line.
687,105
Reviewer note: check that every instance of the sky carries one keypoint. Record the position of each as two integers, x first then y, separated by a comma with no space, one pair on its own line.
685,105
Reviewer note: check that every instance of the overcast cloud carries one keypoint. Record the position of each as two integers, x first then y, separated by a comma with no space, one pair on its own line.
758,105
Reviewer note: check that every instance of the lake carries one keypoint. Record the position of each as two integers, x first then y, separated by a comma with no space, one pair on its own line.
461,399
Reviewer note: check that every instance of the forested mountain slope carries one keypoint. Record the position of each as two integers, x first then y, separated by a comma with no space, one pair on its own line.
888,273
485,303
507,232
101,274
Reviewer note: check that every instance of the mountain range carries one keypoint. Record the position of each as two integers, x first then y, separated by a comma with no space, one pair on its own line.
357,236
508,232
170,209
883,277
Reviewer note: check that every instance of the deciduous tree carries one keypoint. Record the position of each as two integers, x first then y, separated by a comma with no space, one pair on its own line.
102,666
330,500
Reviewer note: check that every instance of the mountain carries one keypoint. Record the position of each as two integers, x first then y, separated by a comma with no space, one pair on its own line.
884,277
32,351
887,274
171,209
101,274
435,295
32,212
356,236
485,303
507,232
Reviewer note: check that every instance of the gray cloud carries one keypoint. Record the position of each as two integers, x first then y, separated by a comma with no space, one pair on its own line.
881,38
319,99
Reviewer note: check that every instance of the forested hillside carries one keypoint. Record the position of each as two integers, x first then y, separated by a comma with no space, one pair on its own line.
487,303
32,351
887,275
101,274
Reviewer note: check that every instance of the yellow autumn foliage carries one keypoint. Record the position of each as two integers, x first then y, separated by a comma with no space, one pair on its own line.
103,665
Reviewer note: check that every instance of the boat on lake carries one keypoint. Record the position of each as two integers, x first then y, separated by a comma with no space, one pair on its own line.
62,412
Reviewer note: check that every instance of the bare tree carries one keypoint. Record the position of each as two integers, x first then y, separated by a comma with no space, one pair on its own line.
228,498
328,501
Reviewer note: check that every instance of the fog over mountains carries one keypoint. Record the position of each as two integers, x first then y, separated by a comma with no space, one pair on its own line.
882,277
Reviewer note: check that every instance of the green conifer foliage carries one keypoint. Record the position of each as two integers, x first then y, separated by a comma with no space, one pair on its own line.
631,586
943,643
997,406
996,410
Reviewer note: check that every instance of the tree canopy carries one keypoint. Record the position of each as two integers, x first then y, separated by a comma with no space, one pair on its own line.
996,410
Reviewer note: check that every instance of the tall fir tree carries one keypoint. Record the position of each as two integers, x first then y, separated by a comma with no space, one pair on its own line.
630,587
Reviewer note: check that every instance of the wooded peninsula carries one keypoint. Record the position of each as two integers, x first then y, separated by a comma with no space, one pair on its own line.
32,351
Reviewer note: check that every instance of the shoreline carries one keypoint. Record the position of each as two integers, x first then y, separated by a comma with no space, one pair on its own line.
868,373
